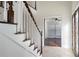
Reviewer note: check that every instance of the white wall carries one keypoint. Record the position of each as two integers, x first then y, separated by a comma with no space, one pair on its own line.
63,9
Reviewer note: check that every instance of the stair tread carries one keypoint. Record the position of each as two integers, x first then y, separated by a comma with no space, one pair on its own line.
8,23
31,44
25,40
35,48
20,32
38,51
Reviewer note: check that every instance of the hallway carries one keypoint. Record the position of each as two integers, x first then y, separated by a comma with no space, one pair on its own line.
57,52
39,29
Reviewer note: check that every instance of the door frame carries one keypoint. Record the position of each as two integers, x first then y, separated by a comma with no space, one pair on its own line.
44,27
74,38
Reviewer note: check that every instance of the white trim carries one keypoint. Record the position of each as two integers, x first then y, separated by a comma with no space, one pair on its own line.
75,9
59,17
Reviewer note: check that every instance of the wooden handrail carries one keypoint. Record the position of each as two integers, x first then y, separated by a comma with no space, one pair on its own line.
26,4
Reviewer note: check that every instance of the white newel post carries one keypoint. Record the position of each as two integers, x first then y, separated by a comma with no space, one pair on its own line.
19,16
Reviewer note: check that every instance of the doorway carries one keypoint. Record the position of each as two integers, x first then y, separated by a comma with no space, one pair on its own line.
52,31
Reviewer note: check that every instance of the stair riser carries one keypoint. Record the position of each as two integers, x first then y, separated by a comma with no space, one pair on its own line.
7,28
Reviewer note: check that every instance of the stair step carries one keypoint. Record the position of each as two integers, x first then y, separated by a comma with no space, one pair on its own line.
35,48
31,44
27,43
20,32
38,51
3,22
25,40
7,28
21,37
32,47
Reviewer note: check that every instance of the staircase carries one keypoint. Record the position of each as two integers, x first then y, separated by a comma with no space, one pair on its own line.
8,32
29,39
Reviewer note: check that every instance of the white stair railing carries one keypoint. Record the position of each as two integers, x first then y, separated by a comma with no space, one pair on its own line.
33,31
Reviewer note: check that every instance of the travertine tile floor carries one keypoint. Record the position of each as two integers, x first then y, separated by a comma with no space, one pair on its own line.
49,51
